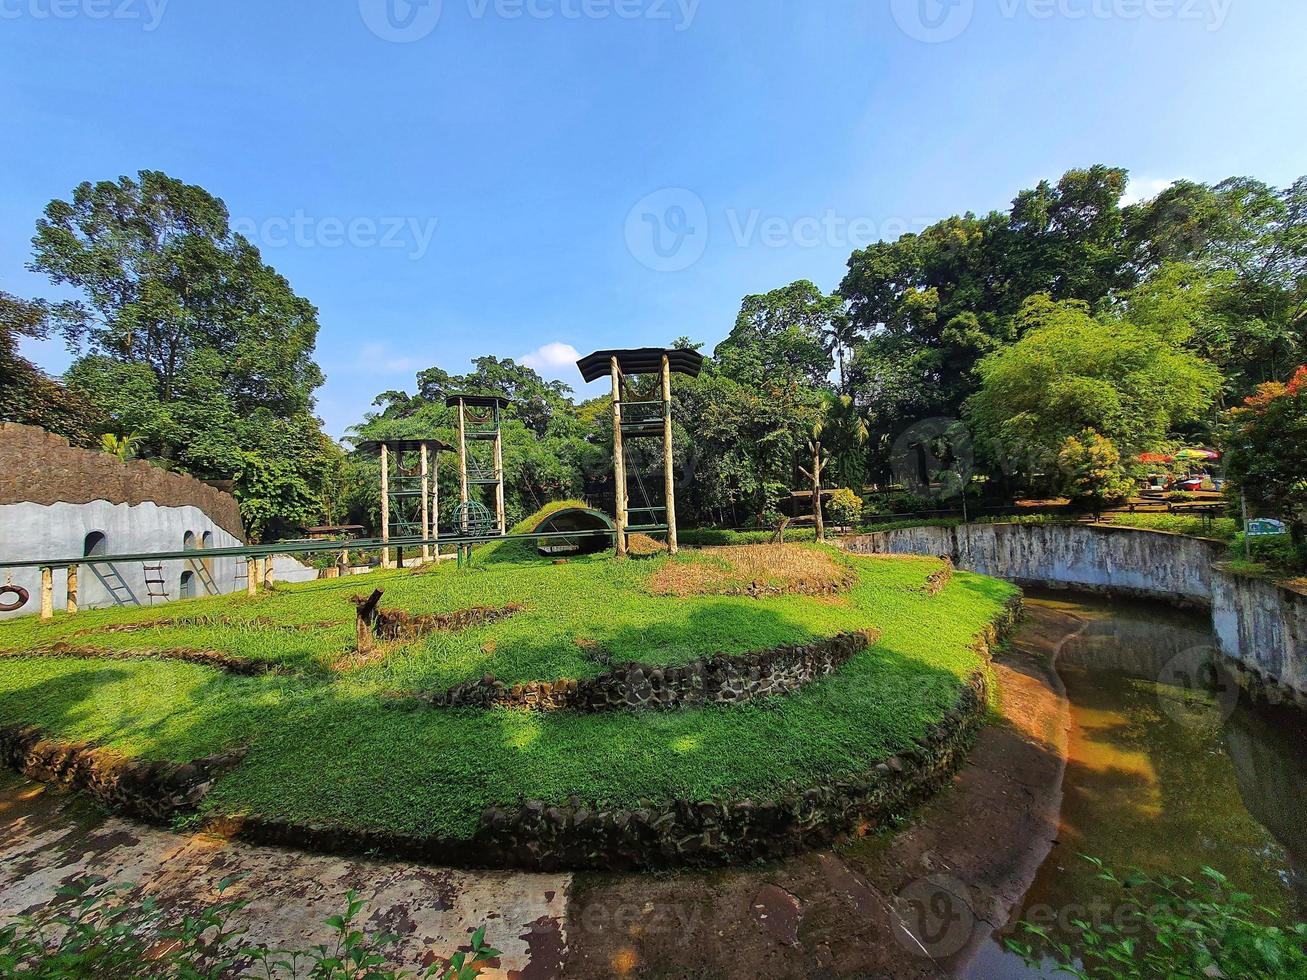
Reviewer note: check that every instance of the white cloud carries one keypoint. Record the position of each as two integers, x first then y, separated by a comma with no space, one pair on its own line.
1145,188
553,360
378,359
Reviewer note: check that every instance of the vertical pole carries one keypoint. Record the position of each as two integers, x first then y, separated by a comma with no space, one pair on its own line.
47,593
71,605
426,506
266,576
251,575
619,460
669,459
385,505
499,476
1247,545
462,454
435,502
816,492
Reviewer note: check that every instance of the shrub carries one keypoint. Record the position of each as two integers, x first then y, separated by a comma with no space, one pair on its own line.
1182,928
1278,551
1181,496
1092,474
845,507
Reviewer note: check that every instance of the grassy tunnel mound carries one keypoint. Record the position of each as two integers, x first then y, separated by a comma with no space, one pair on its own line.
328,744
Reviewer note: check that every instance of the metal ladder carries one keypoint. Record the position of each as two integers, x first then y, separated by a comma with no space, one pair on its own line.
205,577
109,577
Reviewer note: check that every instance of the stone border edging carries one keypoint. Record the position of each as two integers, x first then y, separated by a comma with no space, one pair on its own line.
722,679
152,791
216,659
680,833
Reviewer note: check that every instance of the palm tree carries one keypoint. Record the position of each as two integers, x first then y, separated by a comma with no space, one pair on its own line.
843,425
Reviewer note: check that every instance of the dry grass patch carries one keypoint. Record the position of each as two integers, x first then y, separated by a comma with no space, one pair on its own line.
754,570
642,546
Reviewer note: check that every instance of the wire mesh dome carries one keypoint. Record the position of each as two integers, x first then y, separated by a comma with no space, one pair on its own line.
474,519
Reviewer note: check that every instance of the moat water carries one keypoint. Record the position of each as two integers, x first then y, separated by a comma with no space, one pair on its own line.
1170,770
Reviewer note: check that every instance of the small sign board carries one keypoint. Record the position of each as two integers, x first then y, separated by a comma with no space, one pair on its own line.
1264,527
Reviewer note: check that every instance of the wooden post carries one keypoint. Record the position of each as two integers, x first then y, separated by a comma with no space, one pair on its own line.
462,454
71,604
266,577
669,458
619,460
435,503
426,506
385,505
499,476
818,465
47,593
816,491
251,575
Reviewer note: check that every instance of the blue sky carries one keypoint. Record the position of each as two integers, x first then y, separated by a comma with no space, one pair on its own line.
521,177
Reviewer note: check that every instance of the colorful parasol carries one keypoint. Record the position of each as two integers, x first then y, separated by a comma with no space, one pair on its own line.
1197,455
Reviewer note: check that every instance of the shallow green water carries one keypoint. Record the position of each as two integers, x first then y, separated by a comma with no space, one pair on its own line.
1165,778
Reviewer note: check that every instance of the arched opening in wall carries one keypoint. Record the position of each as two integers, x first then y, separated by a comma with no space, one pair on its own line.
188,541
188,585
206,542
95,544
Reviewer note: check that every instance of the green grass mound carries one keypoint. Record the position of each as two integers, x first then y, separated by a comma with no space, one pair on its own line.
329,745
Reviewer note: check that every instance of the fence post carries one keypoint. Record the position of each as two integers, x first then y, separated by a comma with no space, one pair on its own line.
47,592
71,605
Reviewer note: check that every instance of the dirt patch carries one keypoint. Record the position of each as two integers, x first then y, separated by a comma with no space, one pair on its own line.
754,570
642,546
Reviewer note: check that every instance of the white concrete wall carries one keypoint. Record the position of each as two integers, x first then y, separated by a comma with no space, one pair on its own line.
37,532
1257,622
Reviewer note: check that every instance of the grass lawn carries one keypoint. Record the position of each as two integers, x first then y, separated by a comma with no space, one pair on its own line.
325,744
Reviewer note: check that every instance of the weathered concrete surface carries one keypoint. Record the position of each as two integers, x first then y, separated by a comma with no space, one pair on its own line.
1258,622
1090,557
48,839
1263,625
855,912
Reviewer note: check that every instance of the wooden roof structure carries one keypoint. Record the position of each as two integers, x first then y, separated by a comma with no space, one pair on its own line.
479,401
403,445
642,360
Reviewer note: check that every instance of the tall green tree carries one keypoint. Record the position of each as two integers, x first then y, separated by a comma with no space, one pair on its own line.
784,334
1071,374
188,339
27,395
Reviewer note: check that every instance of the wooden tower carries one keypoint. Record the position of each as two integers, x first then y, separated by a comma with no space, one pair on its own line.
410,492
481,448
642,418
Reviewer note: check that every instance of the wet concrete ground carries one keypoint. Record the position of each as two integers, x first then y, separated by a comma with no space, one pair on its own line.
893,904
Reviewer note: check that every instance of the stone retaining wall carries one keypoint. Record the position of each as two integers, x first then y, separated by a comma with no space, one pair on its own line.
40,468
154,791
716,680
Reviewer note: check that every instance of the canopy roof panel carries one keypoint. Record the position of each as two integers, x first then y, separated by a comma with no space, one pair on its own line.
643,360
403,445
478,401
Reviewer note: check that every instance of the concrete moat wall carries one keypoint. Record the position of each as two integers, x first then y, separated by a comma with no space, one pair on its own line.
1258,623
